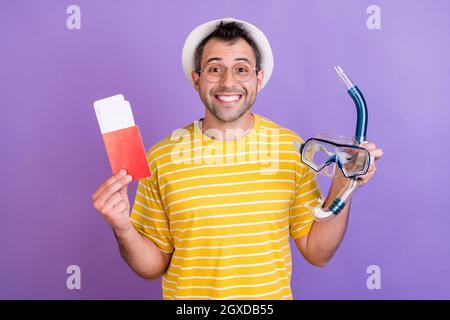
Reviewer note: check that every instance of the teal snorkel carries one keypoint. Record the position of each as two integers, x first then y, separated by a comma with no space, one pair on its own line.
360,103
351,159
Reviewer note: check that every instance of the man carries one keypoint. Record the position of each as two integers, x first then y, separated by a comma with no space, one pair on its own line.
226,192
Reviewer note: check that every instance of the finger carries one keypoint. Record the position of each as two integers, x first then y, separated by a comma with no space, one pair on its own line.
369,175
368,145
120,207
362,181
117,176
124,190
111,202
109,190
377,153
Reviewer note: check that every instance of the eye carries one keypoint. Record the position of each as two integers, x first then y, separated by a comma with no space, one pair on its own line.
214,69
241,69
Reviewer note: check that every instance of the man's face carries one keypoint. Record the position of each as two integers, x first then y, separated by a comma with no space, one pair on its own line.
228,99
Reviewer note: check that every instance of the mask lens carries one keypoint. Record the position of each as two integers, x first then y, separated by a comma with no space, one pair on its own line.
354,161
317,154
321,157
329,170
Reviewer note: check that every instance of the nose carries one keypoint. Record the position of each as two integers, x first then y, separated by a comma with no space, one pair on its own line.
227,79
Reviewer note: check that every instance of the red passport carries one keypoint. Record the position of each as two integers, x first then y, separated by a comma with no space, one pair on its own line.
126,151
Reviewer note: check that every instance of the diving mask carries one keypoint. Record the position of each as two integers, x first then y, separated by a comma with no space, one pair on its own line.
323,154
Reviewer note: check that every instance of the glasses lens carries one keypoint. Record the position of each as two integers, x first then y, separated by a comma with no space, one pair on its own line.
242,72
213,72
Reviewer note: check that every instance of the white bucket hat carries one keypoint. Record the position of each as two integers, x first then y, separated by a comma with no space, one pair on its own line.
202,31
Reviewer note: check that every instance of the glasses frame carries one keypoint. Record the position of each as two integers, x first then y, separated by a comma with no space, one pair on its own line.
226,70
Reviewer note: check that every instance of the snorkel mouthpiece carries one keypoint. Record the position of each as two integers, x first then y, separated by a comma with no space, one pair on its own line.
360,103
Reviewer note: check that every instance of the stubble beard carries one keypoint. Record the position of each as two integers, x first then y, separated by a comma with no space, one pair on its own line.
229,116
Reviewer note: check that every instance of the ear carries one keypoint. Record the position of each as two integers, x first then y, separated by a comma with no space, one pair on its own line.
259,79
196,79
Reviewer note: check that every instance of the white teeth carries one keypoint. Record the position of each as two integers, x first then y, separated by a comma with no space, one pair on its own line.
228,98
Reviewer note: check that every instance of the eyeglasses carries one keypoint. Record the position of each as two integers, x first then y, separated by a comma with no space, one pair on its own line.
214,72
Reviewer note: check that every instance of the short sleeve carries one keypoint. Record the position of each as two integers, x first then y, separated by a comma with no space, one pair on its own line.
148,215
307,195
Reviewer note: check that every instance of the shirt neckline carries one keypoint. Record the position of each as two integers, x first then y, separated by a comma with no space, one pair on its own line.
249,134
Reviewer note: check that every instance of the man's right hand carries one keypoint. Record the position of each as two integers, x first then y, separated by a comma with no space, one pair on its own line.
111,200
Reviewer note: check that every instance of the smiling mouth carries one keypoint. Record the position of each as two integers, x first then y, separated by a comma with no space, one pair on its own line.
228,98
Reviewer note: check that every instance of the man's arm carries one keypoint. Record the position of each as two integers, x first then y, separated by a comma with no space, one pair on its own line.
141,254
324,238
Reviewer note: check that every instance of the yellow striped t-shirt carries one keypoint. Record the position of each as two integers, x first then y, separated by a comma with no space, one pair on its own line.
225,210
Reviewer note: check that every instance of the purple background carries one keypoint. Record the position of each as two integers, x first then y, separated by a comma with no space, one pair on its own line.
52,155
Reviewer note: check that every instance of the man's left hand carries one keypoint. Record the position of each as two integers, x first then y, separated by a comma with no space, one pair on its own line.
375,155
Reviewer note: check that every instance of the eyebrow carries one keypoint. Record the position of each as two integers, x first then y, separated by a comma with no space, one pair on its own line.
220,59
213,59
242,59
